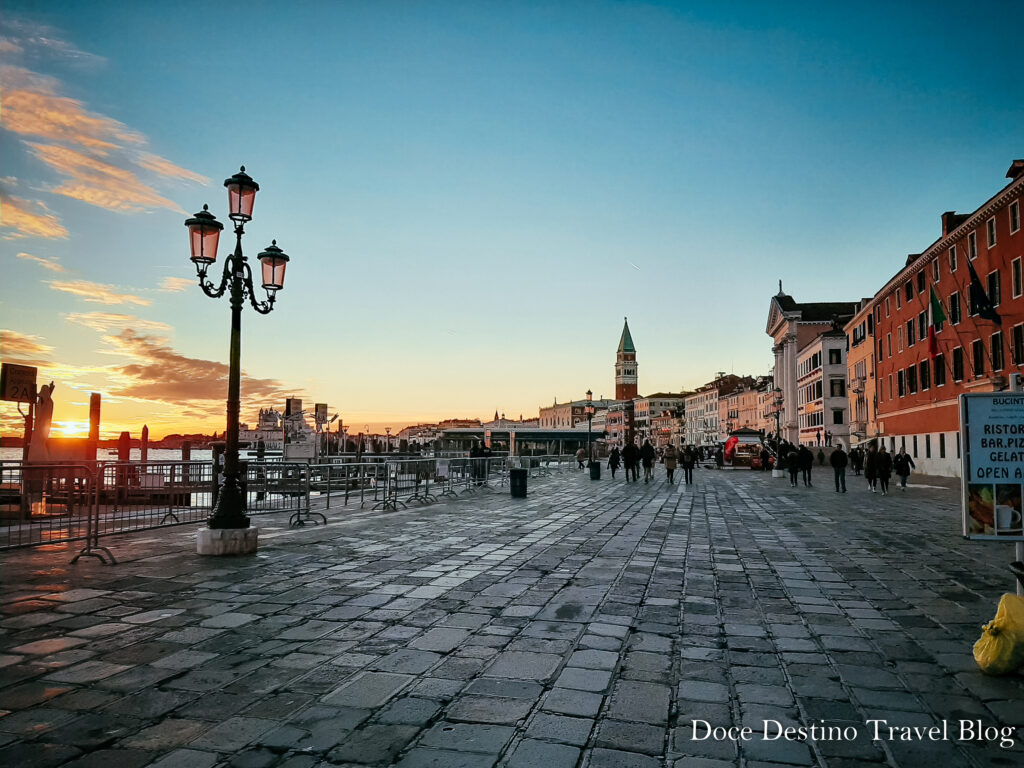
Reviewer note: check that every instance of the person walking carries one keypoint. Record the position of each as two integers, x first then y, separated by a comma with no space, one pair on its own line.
856,460
630,459
806,464
614,459
689,459
821,457
647,457
669,457
884,469
839,460
793,465
581,455
871,466
902,464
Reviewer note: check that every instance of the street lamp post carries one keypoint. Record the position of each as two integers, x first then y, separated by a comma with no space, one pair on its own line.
236,280
777,393
387,431
589,411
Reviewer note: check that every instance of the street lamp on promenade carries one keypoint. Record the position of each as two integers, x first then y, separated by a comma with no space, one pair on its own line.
387,431
777,395
236,280
589,411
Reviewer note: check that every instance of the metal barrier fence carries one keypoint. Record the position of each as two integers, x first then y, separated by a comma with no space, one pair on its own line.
50,503
59,503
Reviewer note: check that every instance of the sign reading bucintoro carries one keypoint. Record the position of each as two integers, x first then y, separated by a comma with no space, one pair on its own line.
992,434
18,383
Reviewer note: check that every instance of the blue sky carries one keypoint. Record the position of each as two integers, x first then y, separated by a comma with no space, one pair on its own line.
474,194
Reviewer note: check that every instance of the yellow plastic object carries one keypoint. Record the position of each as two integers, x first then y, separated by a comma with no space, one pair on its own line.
1001,647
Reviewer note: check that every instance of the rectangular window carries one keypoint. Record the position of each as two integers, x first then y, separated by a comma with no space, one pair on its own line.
912,379
942,445
940,370
888,343
922,280
890,386
915,446
997,351
903,444
952,259
935,270
835,357
901,384
922,325
837,388
990,231
1016,277
954,308
958,364
837,416
898,303
994,288
908,290
978,358
1017,344
1014,216
927,446
910,333
886,306
925,373
972,246
957,445
899,339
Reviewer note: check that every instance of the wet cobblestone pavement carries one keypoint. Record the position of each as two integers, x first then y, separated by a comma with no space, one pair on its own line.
593,624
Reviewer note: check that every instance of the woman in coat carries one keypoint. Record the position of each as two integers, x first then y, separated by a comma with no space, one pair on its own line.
689,459
902,464
871,467
884,469
670,461
614,459
647,458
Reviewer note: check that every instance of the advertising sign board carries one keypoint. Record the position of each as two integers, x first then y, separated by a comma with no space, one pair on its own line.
992,437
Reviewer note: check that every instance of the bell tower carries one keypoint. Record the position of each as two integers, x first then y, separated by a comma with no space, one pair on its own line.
625,366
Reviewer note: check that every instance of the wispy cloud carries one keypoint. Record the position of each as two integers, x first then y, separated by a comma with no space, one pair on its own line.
26,36
97,293
28,219
105,321
158,372
51,264
31,107
23,348
100,183
176,284
166,168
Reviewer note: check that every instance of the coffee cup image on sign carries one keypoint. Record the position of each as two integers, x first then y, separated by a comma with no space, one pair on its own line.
1007,512
981,508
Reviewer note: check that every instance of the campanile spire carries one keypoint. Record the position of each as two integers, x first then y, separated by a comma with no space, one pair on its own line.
625,365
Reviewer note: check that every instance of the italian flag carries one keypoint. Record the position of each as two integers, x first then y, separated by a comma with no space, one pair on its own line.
936,318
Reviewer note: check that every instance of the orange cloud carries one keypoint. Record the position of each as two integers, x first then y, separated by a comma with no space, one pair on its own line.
160,373
50,264
104,321
176,284
100,183
32,108
170,170
23,348
97,293
27,219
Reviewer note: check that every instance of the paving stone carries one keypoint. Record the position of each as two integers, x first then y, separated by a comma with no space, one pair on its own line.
369,689
566,730
440,758
373,744
613,758
630,737
643,702
489,709
410,710
531,753
233,734
524,666
440,639
468,737
187,758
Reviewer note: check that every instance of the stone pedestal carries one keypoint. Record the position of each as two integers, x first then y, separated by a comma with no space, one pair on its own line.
227,541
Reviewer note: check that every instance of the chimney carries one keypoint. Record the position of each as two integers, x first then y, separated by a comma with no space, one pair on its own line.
951,220
1016,169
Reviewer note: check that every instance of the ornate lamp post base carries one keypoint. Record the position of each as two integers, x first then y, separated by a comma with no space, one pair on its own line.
227,541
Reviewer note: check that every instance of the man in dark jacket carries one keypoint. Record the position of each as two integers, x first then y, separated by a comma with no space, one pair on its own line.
838,460
647,457
688,460
630,459
793,465
901,465
806,463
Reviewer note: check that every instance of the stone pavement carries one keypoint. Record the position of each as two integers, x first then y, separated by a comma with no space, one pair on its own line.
592,624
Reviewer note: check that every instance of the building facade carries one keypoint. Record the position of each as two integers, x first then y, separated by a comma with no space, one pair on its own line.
646,409
822,402
860,363
793,326
974,271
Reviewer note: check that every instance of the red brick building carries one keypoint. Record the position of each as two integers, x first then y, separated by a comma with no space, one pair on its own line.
979,345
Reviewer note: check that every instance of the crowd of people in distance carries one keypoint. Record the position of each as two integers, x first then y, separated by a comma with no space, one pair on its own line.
874,461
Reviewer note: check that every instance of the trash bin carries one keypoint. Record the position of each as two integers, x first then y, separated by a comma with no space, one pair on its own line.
595,470
517,483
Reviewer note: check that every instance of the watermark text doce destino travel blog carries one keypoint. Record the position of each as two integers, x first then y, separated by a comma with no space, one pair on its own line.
876,730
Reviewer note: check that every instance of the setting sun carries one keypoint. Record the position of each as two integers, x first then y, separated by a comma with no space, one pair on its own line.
72,428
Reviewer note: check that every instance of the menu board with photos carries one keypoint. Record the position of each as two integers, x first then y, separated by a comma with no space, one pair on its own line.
992,436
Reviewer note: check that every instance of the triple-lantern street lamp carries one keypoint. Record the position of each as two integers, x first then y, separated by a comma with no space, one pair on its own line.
236,279
588,410
777,394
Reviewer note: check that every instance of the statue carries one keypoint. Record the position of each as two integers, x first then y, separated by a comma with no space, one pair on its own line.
37,450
